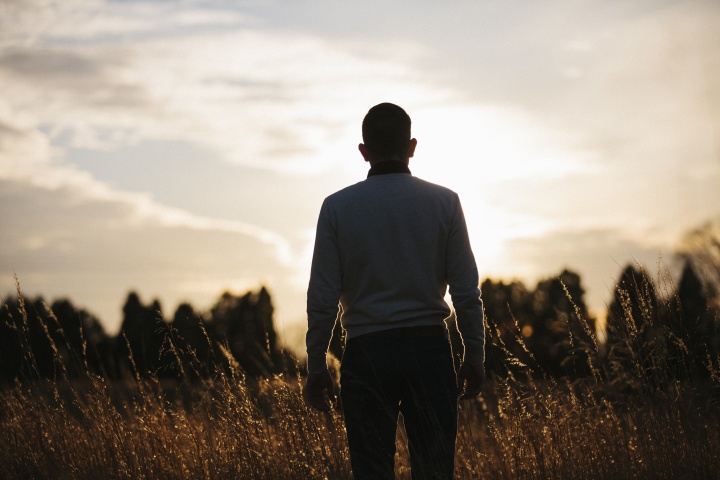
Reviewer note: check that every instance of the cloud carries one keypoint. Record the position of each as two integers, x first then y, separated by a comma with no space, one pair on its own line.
93,249
40,171
281,101
75,21
66,233
275,99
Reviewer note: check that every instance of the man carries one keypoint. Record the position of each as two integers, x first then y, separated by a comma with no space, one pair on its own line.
386,250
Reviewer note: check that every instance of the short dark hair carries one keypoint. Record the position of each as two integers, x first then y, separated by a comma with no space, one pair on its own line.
386,131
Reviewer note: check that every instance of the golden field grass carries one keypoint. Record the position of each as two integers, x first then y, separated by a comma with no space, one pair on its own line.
233,427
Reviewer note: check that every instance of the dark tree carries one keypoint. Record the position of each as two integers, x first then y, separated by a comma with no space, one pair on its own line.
40,340
562,337
701,248
547,330
13,342
636,349
507,322
196,350
693,327
58,341
246,324
145,331
83,338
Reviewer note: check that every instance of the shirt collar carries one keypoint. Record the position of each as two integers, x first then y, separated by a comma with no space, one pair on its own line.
391,166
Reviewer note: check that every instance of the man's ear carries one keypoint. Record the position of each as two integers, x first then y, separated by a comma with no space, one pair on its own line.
364,152
411,147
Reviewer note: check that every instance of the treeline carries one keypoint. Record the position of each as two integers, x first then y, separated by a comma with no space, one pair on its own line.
673,332
58,340
653,329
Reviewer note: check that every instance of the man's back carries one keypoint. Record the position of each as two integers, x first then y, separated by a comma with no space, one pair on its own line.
389,236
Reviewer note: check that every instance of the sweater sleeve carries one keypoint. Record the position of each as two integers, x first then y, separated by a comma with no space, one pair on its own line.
463,281
324,289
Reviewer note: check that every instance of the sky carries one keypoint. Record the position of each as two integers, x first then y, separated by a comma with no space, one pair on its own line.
180,149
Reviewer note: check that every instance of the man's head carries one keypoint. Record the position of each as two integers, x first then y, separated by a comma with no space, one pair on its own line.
386,134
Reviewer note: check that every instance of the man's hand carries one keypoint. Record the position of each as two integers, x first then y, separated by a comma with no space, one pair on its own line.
471,380
318,390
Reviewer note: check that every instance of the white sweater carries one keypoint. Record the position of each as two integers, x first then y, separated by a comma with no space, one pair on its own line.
386,250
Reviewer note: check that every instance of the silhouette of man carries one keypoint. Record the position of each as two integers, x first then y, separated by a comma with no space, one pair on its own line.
386,251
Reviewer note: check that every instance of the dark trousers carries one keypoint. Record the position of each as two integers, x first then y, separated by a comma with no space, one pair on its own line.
382,376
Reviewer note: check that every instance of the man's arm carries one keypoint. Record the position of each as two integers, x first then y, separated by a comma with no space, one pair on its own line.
463,281
322,308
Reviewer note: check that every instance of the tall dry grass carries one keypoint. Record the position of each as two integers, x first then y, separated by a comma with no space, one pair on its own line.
524,426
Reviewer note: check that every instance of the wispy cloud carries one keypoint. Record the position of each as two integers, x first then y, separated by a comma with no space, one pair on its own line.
25,158
62,227
26,22
257,98
66,233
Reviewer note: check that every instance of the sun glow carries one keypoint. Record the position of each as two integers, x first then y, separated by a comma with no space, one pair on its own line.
479,152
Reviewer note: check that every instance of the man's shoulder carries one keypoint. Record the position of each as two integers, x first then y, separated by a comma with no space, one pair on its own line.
439,189
344,193
363,187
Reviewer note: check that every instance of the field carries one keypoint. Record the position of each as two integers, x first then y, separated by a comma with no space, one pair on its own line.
634,423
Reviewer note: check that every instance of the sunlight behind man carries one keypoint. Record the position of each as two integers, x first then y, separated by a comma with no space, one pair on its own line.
482,152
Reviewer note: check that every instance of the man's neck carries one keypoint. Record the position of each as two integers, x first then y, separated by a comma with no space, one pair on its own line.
388,166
